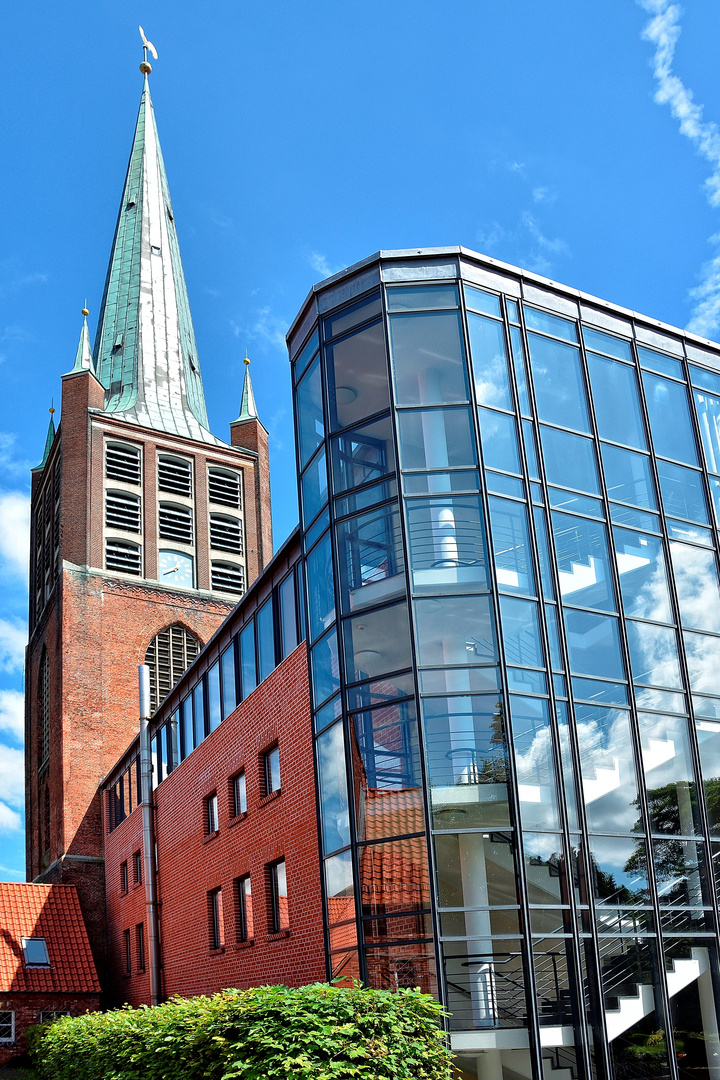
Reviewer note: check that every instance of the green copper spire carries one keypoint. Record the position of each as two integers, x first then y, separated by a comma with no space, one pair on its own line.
145,351
49,440
83,356
248,408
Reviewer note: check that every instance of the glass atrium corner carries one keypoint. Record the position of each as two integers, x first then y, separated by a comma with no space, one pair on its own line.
510,496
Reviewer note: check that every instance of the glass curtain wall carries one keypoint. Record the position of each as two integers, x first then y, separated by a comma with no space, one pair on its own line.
510,528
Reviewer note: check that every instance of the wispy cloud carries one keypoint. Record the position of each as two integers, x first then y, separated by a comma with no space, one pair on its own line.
10,465
13,639
15,531
663,31
527,242
265,327
12,713
12,279
320,264
544,194
12,786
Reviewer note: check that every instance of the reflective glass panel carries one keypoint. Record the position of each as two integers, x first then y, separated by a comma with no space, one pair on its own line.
428,358
479,300
229,688
609,785
393,878
551,623
707,408
669,774
643,575
370,558
425,483
574,503
595,692
266,640
466,761
696,581
357,376
369,496
329,712
518,352
416,297
387,742
304,358
694,533
583,562
499,441
703,660
489,356
446,543
606,343
637,519
339,888
513,313
321,588
617,402
715,496
313,488
348,317
654,655
213,681
436,438
311,426
511,546
377,642
288,615
530,450
454,630
569,460
448,680
333,790
198,713
670,423
325,668
618,868
544,870
187,742
593,644
534,763
550,324
567,764
682,492
541,539
707,379
362,455
475,871
628,477
708,735
558,381
521,632
501,484
656,361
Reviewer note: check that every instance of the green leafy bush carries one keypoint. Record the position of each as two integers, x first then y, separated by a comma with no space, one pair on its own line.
321,1031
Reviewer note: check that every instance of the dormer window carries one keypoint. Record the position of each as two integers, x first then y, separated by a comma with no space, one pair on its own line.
35,952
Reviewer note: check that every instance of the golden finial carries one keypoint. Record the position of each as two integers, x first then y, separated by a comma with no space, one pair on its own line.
145,67
85,309
51,410
246,361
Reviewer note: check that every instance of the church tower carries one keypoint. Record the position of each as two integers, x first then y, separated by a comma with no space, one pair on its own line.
146,530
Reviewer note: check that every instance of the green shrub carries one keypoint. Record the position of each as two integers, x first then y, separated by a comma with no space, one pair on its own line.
321,1031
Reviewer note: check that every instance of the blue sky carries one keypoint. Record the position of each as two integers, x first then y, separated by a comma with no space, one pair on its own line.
302,136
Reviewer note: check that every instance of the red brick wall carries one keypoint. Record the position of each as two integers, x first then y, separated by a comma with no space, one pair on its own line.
191,864
27,1009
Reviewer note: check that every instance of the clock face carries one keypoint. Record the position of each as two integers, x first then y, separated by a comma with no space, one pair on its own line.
175,568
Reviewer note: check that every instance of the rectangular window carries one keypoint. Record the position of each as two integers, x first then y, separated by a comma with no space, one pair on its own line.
213,681
229,682
140,946
243,897
199,713
212,821
137,867
266,640
288,615
239,795
279,918
126,952
186,727
123,877
7,1026
35,952
215,918
247,659
271,770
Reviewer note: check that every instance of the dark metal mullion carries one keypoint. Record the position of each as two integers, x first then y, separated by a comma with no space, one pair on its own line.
513,794
429,842
600,1044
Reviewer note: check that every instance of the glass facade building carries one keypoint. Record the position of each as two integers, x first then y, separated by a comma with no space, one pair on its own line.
510,497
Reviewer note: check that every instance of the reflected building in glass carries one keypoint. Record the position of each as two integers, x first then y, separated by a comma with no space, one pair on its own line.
509,505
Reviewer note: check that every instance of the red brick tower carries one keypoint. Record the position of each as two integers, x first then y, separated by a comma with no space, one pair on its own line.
146,529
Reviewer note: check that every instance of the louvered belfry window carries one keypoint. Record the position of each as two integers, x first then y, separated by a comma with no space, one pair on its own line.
226,577
175,475
122,511
168,655
224,487
122,463
123,556
175,522
225,533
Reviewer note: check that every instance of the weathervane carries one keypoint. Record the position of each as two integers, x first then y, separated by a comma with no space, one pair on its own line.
145,67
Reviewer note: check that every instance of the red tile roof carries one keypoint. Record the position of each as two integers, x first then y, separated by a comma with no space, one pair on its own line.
52,912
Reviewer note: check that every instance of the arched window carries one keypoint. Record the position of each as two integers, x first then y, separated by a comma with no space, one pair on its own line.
44,710
168,655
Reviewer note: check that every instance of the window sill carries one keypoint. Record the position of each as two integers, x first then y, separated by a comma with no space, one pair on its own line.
279,936
217,952
239,945
211,836
124,892
136,885
269,798
237,819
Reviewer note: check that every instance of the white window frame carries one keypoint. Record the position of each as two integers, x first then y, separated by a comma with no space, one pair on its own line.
11,1013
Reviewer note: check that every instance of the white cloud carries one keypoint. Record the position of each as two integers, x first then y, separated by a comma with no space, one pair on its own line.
12,713
9,464
321,265
13,639
491,236
10,820
663,31
15,530
12,776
